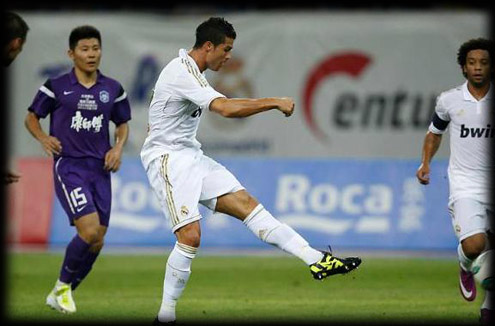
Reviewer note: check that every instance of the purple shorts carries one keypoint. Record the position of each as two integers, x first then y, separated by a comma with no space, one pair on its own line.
83,187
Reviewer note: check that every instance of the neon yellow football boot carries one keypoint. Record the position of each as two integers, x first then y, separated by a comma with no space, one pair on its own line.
60,299
331,265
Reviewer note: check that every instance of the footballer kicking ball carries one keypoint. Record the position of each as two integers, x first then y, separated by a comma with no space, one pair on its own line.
482,270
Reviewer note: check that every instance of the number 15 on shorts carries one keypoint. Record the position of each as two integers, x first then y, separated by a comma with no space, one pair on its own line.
78,199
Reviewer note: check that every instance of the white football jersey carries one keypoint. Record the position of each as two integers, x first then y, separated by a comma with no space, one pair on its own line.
471,133
180,95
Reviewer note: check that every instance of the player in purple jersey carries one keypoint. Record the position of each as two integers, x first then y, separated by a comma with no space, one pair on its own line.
81,104
14,37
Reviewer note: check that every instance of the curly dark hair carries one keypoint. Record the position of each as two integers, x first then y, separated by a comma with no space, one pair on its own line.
474,44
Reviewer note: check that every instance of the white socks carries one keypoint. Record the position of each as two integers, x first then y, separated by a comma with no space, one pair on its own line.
463,260
271,231
176,276
262,224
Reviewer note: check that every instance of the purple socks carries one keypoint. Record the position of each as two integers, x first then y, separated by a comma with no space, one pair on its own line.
86,266
75,255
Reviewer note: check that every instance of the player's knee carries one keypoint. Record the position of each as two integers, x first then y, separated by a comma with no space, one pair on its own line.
97,246
189,235
90,235
473,247
473,251
191,239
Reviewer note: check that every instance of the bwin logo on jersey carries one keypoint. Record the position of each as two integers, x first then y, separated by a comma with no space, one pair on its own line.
104,96
477,132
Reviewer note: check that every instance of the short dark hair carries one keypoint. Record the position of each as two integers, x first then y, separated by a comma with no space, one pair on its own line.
15,27
474,44
81,33
215,29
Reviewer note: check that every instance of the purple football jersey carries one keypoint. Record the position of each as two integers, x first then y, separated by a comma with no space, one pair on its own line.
79,116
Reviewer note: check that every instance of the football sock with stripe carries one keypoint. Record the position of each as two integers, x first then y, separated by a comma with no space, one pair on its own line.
85,268
176,276
74,256
271,231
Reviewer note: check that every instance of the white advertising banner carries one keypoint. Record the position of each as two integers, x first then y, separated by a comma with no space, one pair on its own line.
364,83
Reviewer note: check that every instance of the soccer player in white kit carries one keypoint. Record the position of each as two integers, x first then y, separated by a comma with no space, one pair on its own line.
467,110
182,176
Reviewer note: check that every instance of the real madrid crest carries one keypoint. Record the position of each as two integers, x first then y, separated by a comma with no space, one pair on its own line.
104,96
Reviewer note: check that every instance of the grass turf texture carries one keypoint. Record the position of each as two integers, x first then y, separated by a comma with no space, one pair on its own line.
246,289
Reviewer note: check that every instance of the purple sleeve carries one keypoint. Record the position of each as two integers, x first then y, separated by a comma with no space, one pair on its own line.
44,101
121,111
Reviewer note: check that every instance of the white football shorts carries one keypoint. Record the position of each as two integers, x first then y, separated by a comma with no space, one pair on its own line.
183,179
469,217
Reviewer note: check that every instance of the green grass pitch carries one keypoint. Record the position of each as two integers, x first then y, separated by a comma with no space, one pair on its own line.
244,289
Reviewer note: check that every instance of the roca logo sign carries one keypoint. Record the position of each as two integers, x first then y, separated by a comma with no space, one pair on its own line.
383,110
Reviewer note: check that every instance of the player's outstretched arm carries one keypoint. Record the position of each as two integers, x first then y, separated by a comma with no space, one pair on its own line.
50,144
113,158
240,107
430,146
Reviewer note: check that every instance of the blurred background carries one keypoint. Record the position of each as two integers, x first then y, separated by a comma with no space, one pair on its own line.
341,170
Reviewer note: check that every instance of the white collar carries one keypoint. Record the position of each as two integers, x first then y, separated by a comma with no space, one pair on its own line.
469,97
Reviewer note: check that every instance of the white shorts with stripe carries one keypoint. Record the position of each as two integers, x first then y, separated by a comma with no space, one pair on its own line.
182,180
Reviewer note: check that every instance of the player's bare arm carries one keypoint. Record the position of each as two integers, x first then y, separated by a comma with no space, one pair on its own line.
430,146
113,158
240,108
50,144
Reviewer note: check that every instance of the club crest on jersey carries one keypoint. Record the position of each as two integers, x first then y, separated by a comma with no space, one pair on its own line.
184,211
104,96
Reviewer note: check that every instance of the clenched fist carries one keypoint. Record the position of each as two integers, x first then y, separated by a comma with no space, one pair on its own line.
286,106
